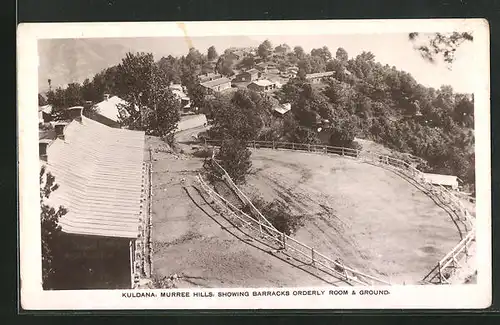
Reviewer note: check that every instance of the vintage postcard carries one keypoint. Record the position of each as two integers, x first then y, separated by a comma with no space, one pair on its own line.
258,164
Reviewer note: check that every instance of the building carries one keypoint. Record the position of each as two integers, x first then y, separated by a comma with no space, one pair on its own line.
275,71
246,76
44,114
109,111
318,77
282,109
262,85
180,93
103,185
447,181
191,121
208,77
217,85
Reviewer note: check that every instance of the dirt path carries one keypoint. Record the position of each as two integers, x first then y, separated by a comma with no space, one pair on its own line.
368,216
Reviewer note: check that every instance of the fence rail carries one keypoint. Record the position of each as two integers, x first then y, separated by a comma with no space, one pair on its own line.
455,203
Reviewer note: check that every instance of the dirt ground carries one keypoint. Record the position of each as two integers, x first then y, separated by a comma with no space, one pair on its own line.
203,249
368,216
371,218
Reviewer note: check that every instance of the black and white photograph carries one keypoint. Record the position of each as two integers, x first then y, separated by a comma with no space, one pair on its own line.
309,165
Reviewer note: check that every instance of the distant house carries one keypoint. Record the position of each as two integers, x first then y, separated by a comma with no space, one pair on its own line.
273,70
448,181
245,76
208,77
108,111
262,85
318,77
180,92
217,85
44,114
292,71
282,109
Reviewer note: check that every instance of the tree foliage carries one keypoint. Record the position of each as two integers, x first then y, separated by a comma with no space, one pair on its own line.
212,53
265,49
235,158
151,105
439,44
51,230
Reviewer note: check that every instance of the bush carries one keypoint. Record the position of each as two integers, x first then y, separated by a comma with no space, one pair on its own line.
235,159
278,214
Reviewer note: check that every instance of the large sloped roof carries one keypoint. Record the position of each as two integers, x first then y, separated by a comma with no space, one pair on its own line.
100,175
109,107
319,75
216,82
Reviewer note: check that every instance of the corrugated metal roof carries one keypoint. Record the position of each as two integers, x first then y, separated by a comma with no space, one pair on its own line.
263,83
216,82
109,107
319,75
447,180
100,175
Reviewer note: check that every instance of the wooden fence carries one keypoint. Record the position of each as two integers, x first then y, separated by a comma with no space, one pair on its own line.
448,264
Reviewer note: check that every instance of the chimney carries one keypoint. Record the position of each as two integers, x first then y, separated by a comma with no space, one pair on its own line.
106,96
75,113
42,148
59,129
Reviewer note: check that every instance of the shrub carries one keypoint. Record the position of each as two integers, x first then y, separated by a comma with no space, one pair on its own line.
235,159
278,214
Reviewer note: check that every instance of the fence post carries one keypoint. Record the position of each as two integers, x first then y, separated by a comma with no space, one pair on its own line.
312,255
273,145
293,146
283,239
254,144
308,147
440,273
342,151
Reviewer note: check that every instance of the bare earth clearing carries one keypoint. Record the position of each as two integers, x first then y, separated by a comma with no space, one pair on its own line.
368,216
371,218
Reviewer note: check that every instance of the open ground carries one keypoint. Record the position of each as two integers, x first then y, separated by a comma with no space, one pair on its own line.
369,217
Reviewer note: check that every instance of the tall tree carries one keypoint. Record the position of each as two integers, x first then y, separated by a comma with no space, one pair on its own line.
151,105
341,55
299,52
265,49
212,53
